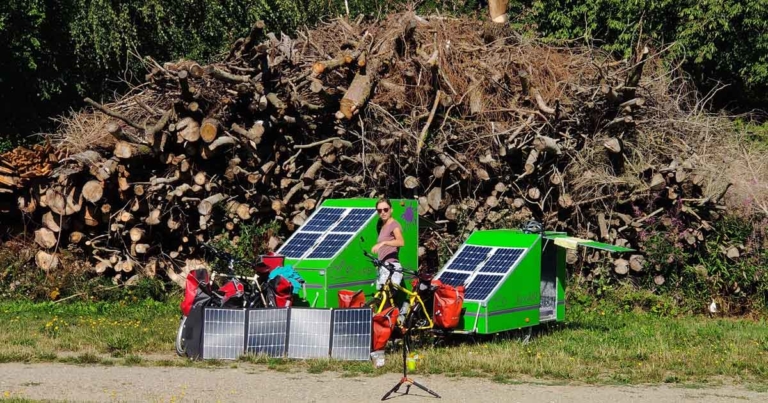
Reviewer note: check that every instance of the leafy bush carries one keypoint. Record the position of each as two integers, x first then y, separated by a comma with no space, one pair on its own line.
725,40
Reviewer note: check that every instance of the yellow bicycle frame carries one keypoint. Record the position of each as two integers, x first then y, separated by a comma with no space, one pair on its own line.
387,295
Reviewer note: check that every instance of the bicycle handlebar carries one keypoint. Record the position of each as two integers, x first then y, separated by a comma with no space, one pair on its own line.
387,265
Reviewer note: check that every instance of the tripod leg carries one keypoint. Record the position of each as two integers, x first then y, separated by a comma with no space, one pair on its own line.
424,388
393,390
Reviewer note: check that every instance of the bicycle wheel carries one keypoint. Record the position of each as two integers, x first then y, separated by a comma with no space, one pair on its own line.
181,348
415,319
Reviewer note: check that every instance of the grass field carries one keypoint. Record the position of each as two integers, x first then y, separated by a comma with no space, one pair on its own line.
602,344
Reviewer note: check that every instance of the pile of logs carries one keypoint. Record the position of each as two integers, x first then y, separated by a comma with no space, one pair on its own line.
484,130
21,166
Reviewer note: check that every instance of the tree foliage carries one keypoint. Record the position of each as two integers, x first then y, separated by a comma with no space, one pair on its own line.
55,52
723,40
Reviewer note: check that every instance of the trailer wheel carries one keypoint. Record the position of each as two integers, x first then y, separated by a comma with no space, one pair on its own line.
181,348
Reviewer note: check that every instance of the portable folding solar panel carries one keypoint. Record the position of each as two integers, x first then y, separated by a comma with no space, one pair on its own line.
223,333
309,333
512,279
352,334
267,331
326,249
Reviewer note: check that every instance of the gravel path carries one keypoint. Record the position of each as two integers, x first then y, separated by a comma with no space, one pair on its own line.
252,383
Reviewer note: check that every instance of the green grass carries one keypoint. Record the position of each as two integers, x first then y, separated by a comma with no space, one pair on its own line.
35,332
604,344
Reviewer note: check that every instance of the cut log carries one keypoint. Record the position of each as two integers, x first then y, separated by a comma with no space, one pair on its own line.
153,218
141,248
125,150
137,234
601,222
411,182
637,263
613,145
659,280
56,201
45,238
546,144
51,221
657,182
621,266
93,191
189,129
90,217
565,201
534,193
206,205
46,261
435,198
311,172
76,237
356,96
530,162
452,212
498,11
209,130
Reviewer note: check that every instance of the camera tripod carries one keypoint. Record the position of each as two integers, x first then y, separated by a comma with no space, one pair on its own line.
405,379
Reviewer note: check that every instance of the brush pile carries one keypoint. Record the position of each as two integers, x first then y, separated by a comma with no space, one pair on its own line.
486,128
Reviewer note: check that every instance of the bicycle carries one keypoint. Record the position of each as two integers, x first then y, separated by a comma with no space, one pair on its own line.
252,295
416,315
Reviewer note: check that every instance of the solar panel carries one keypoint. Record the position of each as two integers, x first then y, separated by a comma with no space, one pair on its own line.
453,278
299,244
267,331
328,247
469,258
322,220
502,260
354,220
481,286
310,333
352,334
223,333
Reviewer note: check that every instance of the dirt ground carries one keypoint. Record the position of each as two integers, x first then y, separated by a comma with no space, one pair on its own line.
252,383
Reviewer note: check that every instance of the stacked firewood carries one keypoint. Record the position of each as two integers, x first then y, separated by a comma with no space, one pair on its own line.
483,128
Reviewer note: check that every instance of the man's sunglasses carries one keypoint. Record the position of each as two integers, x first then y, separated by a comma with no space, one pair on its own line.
383,210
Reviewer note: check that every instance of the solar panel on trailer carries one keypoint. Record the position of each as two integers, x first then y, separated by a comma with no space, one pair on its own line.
322,220
452,278
469,258
299,244
354,220
309,333
267,331
352,334
502,261
481,286
223,333
329,246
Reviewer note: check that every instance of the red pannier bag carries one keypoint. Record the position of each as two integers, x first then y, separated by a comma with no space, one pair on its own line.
446,311
383,325
281,291
196,279
351,299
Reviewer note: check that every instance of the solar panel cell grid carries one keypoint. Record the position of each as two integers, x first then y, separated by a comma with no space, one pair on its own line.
267,332
299,244
322,220
502,261
329,246
354,220
469,258
482,285
310,333
452,278
352,334
223,333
